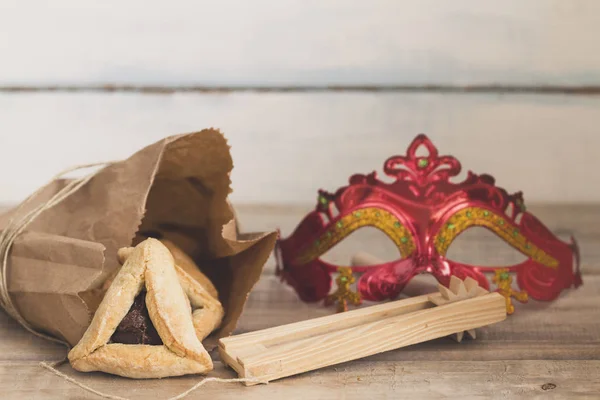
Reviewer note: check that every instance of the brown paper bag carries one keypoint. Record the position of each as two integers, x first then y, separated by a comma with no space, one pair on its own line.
174,189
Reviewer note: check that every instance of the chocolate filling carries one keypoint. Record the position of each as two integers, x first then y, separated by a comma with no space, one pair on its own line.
136,327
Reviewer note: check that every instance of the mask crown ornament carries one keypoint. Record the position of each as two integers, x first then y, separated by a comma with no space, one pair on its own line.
423,212
422,172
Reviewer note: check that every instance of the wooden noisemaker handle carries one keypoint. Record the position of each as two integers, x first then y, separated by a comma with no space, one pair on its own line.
304,346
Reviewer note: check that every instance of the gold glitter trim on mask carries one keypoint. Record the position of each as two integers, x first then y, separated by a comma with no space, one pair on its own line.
499,224
370,216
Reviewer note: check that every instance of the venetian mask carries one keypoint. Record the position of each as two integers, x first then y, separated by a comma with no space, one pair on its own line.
422,212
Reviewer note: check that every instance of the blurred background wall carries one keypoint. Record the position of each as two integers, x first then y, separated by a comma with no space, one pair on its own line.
308,92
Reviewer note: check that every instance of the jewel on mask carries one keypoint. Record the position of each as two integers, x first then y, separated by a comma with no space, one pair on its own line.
423,212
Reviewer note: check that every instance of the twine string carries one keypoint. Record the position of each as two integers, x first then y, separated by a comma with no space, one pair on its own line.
14,228
52,368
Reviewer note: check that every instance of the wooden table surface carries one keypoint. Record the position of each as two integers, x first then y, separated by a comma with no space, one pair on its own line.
544,349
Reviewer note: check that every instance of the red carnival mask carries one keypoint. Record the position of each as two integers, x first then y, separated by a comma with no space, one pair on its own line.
422,212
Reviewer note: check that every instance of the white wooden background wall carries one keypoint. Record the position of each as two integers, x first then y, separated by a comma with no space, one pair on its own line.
288,144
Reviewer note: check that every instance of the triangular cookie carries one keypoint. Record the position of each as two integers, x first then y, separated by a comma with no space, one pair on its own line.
149,266
186,263
207,311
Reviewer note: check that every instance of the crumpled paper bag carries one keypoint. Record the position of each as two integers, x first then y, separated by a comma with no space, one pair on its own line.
176,189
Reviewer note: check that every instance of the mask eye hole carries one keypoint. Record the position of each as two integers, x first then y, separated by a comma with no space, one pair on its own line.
366,239
479,246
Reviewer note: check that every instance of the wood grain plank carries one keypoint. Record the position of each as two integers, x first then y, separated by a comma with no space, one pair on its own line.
162,89
300,42
543,349
568,328
286,146
355,380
